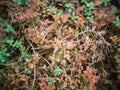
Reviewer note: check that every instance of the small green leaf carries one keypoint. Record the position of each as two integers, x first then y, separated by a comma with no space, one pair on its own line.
84,1
88,13
58,71
69,7
59,12
17,44
117,22
21,2
90,18
49,8
4,55
115,9
90,5
1,22
25,55
9,29
74,16
8,40
105,2
51,81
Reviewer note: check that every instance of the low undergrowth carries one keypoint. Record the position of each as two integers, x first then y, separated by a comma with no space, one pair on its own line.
56,45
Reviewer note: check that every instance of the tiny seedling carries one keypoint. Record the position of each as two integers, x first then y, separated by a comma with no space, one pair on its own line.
4,55
58,12
105,2
21,2
89,9
17,44
1,22
51,81
9,29
58,71
117,21
8,40
49,8
84,1
90,5
69,7
74,16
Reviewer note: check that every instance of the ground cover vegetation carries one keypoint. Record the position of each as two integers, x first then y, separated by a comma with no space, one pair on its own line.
59,44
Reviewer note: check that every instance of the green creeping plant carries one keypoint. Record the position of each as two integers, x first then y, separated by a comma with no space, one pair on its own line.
105,2
49,8
25,55
84,1
9,29
69,7
58,12
74,16
8,40
90,5
21,2
51,81
90,19
4,54
1,22
17,44
115,9
88,13
58,71
117,21
89,9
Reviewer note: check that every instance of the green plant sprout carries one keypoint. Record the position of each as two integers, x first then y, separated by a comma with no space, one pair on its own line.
88,13
17,44
58,71
49,8
25,55
117,21
21,2
115,9
69,7
74,16
90,6
89,9
58,12
105,2
85,1
9,29
90,18
1,22
51,81
8,40
4,55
